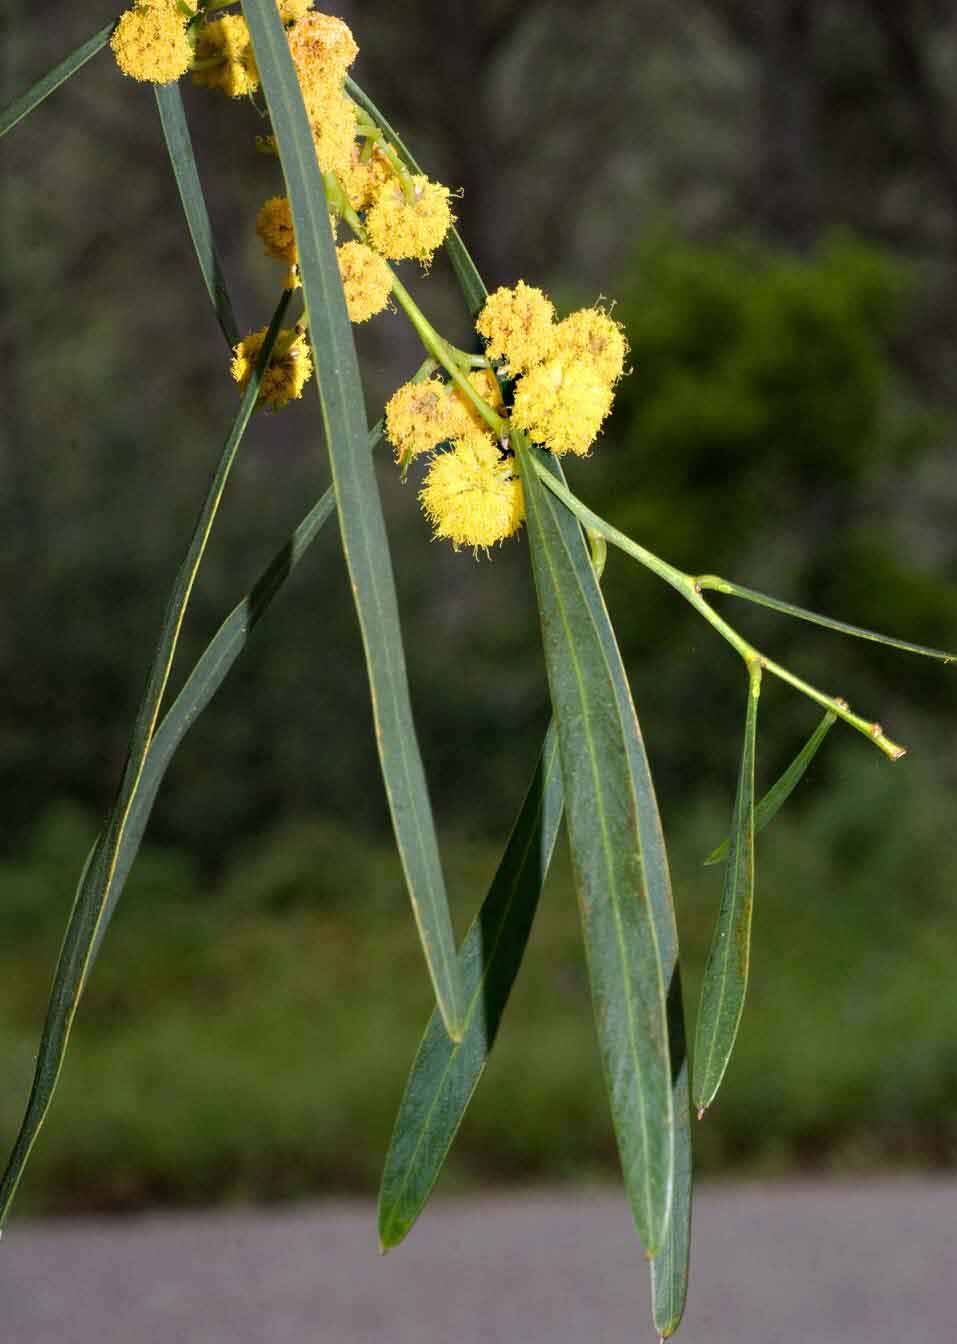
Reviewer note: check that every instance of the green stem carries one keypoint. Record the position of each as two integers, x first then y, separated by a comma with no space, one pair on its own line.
435,345
719,585
690,589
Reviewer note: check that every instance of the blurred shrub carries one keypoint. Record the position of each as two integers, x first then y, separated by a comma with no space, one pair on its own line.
254,1044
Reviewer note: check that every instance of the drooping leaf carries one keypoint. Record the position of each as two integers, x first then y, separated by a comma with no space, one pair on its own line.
828,622
84,929
726,971
210,672
360,511
21,107
618,853
444,1074
176,132
782,788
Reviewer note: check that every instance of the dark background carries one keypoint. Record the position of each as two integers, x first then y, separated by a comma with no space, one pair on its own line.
769,194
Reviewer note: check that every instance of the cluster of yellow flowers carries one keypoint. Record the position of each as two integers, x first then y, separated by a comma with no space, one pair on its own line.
563,375
560,375
397,215
565,371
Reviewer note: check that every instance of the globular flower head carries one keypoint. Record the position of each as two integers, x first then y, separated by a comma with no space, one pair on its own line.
562,404
364,178
332,119
420,416
322,49
287,373
226,42
518,325
366,280
150,42
274,226
413,225
471,494
594,337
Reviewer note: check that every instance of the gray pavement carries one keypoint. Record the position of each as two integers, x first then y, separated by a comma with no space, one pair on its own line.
786,1264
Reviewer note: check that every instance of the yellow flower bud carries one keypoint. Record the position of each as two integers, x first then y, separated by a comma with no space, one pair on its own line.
150,43
366,280
287,373
226,42
399,226
595,338
420,416
562,404
471,495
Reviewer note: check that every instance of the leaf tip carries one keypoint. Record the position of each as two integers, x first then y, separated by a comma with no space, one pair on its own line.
701,1112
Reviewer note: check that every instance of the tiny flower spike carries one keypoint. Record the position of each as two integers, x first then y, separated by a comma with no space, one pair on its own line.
150,42
562,405
404,226
420,416
593,337
288,371
225,58
472,495
366,280
518,326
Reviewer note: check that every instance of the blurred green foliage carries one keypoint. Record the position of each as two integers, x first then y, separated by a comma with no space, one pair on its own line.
251,1041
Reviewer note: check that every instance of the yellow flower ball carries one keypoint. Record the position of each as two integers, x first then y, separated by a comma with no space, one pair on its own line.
562,404
274,227
420,416
518,326
471,495
322,49
288,371
226,41
401,226
595,338
150,43
366,280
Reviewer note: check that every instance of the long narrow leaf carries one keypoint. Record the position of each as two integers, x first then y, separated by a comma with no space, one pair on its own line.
782,788
83,934
176,132
828,622
211,671
669,1268
726,971
21,107
618,853
444,1074
360,511
465,269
